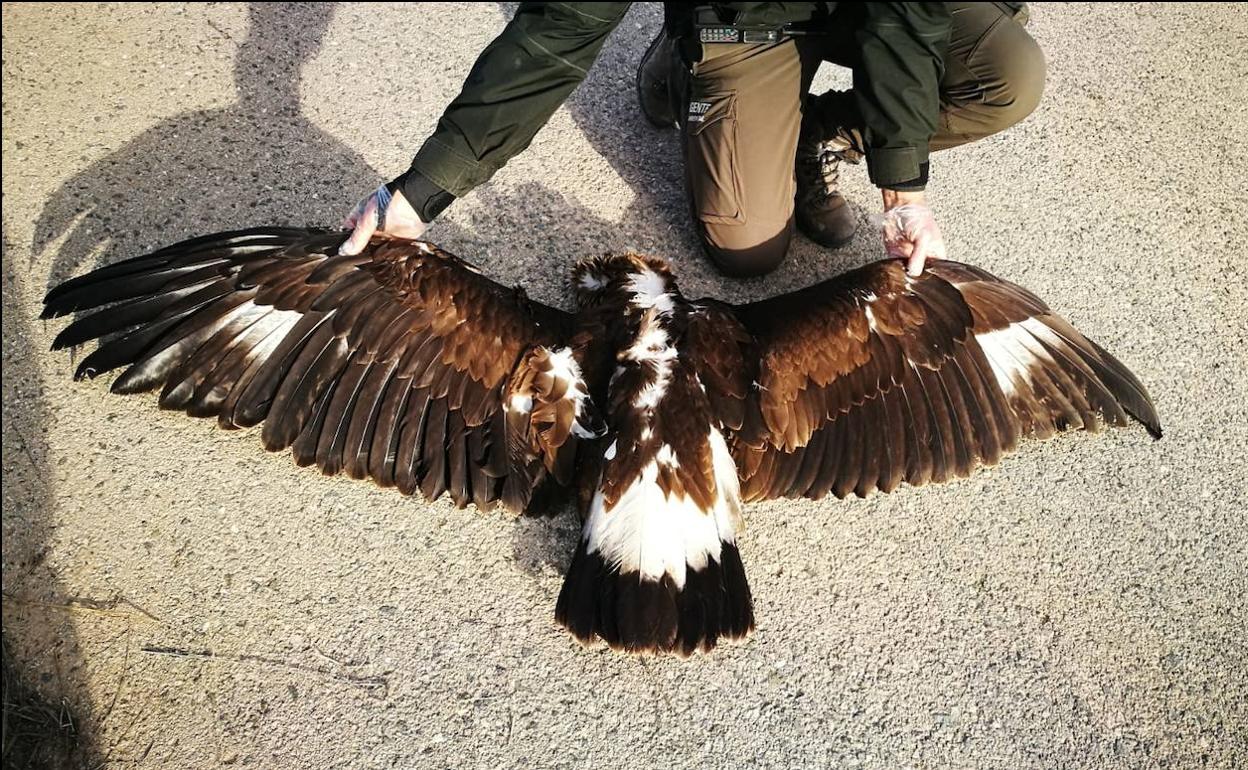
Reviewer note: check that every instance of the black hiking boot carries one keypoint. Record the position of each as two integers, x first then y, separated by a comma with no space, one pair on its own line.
658,81
821,211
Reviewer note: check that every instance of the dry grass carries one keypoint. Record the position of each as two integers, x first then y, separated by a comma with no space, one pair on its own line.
37,734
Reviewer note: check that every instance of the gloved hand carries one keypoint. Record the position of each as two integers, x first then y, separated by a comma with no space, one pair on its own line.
397,218
910,231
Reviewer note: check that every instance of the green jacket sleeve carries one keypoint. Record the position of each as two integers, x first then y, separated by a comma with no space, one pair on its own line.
897,87
517,83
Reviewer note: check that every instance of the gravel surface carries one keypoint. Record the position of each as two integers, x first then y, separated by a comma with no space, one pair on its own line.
202,603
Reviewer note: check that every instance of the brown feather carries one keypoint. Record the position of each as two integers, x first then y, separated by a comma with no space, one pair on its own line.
433,459
407,467
365,408
888,371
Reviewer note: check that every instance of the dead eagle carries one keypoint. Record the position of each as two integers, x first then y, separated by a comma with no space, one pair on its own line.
407,366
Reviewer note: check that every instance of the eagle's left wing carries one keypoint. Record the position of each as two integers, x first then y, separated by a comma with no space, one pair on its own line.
875,377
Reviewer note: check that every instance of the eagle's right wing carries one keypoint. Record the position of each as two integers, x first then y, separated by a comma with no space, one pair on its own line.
874,378
402,364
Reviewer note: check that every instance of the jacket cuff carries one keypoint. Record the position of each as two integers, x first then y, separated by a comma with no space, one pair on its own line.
918,184
426,197
452,171
898,168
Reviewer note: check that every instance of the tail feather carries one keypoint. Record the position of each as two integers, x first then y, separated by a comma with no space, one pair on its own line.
637,614
656,573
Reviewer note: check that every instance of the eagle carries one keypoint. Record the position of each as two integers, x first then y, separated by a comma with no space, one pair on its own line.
659,415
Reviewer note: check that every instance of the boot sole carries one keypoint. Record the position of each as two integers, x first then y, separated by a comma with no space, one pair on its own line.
829,243
832,244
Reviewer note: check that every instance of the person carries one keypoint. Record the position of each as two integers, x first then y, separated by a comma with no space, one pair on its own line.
762,156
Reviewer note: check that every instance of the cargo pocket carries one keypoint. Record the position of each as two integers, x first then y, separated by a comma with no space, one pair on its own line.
711,159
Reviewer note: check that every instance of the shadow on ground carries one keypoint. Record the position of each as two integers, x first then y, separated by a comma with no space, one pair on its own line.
258,162
43,689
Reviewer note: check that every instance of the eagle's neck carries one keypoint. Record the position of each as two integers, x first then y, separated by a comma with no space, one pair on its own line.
646,374
654,316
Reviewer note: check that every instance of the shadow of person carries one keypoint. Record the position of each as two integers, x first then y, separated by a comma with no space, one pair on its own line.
648,159
45,694
258,161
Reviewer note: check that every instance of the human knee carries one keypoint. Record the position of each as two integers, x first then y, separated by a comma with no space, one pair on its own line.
1023,79
745,252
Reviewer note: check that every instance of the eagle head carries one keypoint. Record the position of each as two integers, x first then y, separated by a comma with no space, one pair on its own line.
606,278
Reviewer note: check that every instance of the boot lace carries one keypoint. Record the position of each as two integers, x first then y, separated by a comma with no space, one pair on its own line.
823,166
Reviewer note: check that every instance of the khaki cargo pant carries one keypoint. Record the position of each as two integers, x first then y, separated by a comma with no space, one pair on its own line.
744,114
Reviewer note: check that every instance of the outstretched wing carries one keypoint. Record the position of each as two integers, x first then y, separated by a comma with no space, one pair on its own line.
393,364
874,378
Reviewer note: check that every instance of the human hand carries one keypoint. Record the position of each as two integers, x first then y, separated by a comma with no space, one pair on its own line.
397,218
910,230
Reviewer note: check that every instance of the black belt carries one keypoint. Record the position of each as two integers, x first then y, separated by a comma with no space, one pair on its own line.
710,28
727,33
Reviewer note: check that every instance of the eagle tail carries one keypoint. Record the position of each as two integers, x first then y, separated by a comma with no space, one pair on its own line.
637,614
655,573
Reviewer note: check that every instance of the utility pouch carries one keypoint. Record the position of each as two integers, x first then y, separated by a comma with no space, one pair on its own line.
709,28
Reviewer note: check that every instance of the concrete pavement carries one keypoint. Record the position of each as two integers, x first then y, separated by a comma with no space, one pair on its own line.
205,604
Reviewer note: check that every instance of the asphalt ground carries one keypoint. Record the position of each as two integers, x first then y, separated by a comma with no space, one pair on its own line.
201,603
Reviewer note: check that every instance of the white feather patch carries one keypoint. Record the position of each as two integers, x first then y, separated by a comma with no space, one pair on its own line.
591,281
667,457
652,345
651,340
563,367
653,534
1013,350
649,290
651,295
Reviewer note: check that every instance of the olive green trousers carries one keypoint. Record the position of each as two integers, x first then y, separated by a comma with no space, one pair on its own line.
747,105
